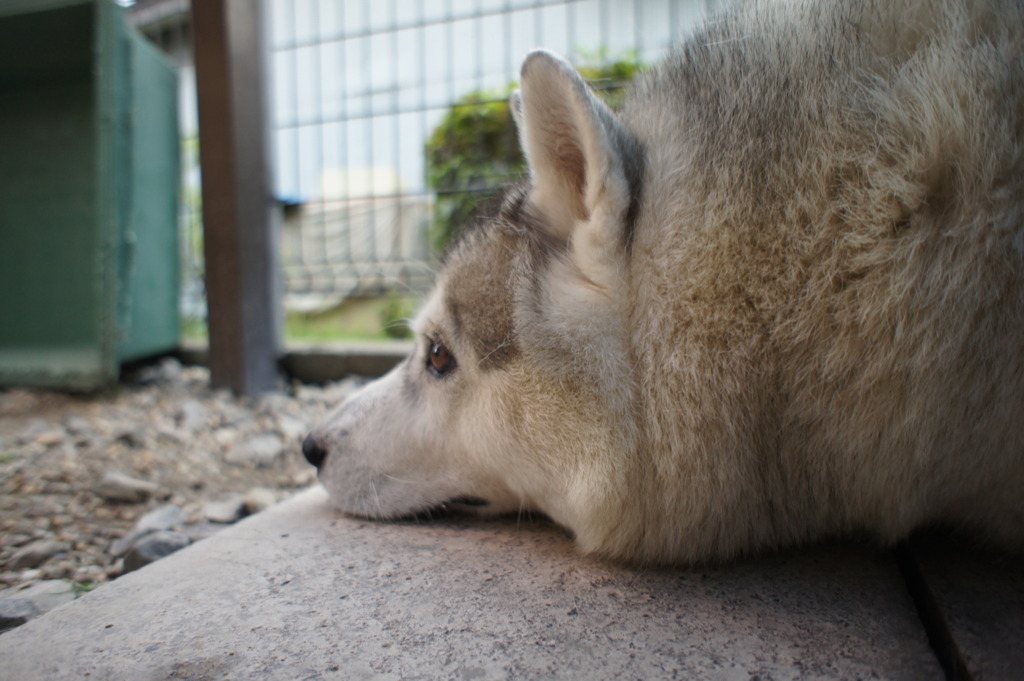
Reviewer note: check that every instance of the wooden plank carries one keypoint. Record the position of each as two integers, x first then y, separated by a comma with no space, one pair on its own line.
239,216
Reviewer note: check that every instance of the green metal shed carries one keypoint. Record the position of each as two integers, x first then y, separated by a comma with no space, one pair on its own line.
88,194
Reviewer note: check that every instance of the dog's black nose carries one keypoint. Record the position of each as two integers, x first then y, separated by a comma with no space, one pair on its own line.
313,451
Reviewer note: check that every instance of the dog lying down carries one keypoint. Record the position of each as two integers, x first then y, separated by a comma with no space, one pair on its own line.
779,296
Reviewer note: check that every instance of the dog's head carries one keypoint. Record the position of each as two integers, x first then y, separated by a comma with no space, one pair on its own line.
519,393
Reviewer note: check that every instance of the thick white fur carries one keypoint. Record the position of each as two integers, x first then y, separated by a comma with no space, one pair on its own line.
814,325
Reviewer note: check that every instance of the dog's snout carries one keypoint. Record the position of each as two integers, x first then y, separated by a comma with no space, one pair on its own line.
313,451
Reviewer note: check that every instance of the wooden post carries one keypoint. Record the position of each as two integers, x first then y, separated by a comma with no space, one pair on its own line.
239,215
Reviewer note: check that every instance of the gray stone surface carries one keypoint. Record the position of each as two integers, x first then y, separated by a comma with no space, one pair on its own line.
258,499
192,416
18,606
34,554
166,517
225,510
116,486
261,450
57,447
299,592
14,612
153,547
980,598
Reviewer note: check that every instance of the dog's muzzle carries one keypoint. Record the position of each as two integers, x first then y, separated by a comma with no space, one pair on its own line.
313,451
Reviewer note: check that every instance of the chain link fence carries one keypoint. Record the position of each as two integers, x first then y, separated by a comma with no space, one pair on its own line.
358,88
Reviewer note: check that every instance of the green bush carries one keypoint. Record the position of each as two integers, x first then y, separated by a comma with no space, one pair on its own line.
474,151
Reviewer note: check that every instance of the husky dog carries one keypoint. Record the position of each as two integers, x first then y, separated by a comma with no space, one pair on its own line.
779,296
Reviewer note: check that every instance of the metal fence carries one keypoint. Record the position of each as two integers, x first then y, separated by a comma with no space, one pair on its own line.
358,87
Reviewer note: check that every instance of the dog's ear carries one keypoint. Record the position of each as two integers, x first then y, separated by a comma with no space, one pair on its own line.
581,158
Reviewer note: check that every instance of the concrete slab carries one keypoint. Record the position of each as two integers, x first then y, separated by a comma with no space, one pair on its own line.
320,363
323,362
978,596
300,592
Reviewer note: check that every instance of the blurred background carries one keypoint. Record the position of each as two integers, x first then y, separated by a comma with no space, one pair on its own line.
390,131
387,131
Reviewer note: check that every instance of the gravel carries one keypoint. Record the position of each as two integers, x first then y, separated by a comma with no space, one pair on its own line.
84,479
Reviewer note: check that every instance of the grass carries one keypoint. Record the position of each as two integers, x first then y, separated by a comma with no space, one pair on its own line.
361,319
82,588
193,329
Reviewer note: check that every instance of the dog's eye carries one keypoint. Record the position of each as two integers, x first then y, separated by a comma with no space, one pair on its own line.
440,360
